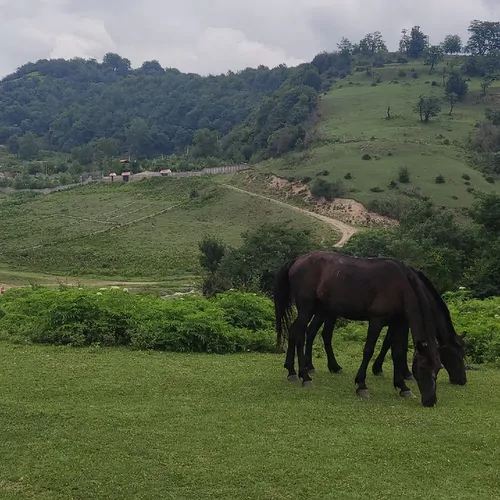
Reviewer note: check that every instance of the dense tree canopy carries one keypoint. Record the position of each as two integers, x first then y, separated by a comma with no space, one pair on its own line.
151,110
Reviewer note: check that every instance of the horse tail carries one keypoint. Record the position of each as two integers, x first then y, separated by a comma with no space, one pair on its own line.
283,301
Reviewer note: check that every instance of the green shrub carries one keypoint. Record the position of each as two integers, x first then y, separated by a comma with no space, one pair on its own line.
328,190
404,175
247,310
230,322
480,319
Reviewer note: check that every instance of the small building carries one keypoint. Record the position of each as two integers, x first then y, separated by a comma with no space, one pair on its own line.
165,171
125,176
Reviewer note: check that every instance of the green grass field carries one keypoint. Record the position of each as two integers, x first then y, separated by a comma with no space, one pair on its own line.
353,123
143,230
104,423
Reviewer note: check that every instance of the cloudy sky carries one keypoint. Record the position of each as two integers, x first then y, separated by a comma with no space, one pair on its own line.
213,36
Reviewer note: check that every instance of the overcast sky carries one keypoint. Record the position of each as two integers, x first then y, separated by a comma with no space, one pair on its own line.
213,36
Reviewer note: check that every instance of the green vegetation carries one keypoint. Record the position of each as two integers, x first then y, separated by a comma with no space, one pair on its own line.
224,323
142,230
253,265
232,322
408,133
354,135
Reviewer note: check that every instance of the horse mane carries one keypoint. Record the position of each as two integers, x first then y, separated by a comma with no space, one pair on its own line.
437,298
426,306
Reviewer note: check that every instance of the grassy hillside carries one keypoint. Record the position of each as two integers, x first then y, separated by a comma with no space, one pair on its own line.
352,122
147,229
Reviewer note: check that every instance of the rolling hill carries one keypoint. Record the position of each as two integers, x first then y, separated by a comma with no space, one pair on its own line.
352,123
143,230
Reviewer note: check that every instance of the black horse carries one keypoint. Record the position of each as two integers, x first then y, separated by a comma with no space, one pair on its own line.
451,345
375,290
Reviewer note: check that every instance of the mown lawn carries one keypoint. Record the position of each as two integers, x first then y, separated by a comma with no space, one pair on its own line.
120,424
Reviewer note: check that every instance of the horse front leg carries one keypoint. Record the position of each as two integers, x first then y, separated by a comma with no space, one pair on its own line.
327,335
399,336
311,333
372,336
407,375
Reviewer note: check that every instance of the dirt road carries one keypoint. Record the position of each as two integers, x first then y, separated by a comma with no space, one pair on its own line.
346,230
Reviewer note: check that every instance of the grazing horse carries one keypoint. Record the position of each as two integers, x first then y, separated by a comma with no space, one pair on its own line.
374,290
451,345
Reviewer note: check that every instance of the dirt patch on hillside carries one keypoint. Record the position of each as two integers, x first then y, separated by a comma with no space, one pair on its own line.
344,209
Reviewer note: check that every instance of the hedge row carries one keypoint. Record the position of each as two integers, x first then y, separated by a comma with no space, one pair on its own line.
230,322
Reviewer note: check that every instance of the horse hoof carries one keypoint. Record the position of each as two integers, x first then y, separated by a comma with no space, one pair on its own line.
312,372
363,393
307,383
409,378
338,371
378,374
293,378
407,395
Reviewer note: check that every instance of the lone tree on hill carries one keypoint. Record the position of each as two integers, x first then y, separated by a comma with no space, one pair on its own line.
372,44
458,85
486,84
452,99
484,37
414,43
427,107
452,44
433,55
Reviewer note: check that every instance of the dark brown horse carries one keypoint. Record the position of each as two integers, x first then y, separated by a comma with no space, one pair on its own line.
451,345
380,291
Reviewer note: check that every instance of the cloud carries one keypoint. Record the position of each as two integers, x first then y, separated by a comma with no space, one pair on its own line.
216,36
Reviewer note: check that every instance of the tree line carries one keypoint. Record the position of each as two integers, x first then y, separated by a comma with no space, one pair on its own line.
97,110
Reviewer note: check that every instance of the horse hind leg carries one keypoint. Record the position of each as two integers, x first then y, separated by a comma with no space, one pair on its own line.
327,335
297,336
399,348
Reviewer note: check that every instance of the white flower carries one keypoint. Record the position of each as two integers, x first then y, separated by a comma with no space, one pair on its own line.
98,293
461,288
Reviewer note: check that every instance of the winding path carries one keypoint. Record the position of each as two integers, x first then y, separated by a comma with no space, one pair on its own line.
346,230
